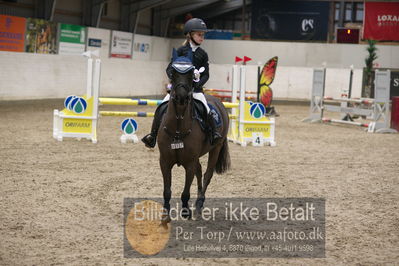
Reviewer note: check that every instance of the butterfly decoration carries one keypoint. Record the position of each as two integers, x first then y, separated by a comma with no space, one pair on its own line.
266,78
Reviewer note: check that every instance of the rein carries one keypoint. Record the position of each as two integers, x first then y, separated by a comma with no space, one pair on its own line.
178,136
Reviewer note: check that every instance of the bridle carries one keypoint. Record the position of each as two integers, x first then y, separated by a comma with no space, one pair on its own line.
178,136
188,97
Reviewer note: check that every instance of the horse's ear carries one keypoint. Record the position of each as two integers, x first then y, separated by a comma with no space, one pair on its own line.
174,55
190,55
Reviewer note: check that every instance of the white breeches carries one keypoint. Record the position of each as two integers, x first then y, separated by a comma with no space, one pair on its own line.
197,95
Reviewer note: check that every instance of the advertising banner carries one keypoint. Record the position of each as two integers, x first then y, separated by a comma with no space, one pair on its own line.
72,39
12,33
289,20
41,36
92,42
394,84
381,21
219,35
98,39
142,47
121,44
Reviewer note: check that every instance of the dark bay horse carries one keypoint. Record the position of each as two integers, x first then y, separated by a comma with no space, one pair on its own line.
181,140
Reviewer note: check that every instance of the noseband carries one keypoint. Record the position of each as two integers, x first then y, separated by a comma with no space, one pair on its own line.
187,98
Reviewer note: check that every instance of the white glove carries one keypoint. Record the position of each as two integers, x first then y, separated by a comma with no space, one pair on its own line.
197,73
168,87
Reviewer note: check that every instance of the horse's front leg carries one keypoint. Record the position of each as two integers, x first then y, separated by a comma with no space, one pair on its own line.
166,169
198,174
185,195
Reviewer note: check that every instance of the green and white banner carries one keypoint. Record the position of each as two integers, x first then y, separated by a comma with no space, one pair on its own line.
72,39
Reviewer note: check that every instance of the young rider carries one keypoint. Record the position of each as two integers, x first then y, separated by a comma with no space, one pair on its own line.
194,30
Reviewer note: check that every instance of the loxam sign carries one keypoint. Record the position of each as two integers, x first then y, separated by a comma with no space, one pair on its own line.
387,19
381,21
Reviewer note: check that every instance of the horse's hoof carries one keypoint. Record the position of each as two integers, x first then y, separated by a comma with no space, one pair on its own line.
165,219
186,213
198,214
199,204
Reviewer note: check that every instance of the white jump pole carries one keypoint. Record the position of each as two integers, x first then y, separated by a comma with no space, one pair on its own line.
89,80
96,85
96,92
363,100
234,94
241,106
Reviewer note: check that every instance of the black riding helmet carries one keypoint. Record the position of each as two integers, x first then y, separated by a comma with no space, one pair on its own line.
194,24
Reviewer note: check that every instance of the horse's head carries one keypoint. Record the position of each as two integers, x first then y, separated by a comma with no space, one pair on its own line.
182,78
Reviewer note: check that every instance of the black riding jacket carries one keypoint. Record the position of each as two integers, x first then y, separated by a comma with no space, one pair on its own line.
200,59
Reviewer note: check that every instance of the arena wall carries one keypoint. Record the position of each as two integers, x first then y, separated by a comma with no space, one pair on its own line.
37,76
296,54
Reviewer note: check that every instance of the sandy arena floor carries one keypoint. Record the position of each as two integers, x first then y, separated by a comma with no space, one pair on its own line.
61,202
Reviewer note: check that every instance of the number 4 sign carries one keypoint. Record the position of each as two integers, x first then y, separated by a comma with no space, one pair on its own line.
257,139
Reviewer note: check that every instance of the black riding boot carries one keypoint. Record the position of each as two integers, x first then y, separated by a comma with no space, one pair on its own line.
151,139
214,134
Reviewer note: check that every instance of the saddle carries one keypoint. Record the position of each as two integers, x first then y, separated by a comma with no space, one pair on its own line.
199,113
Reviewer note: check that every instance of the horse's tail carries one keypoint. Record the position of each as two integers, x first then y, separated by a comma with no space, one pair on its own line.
223,164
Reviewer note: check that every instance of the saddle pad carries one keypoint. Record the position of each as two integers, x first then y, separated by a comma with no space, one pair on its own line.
216,115
201,115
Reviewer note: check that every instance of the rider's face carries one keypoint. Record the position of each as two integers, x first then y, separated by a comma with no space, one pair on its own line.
198,36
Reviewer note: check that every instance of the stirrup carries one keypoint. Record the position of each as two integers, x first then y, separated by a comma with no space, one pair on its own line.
149,141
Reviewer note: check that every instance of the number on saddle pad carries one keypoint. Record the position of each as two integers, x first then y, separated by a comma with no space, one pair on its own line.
175,145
